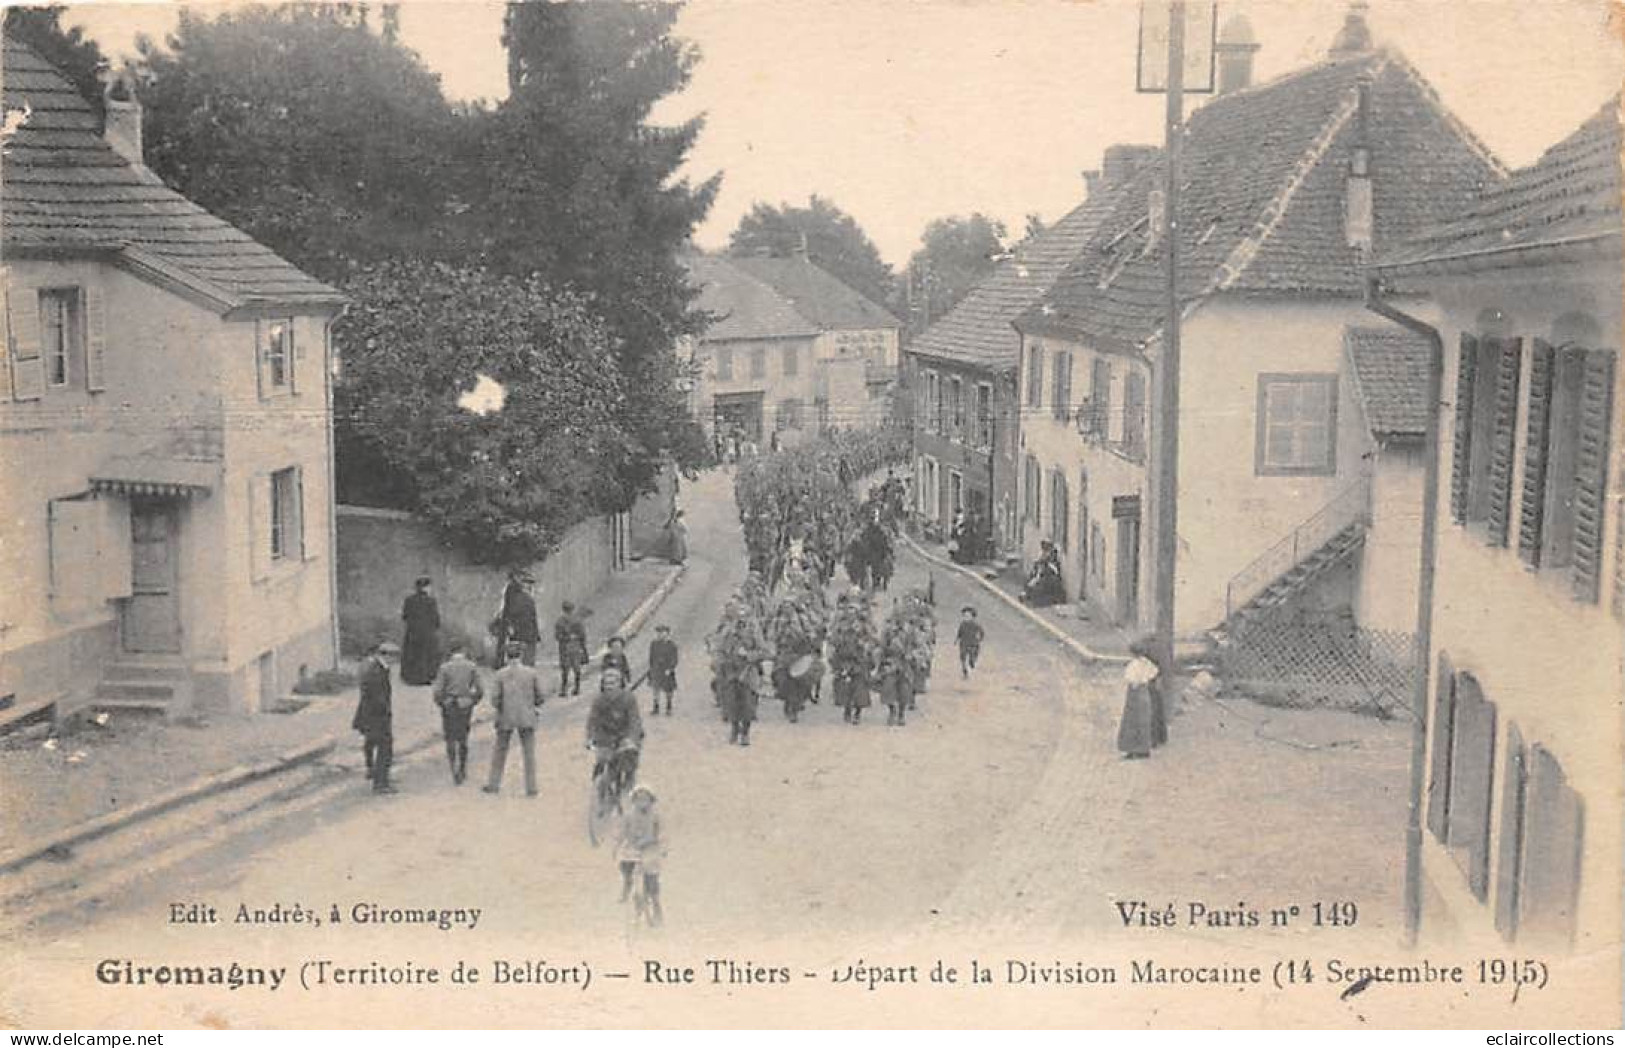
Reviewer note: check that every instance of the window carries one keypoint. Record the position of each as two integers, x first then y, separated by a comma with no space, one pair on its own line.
276,355
1297,425
1030,481
1061,391
789,414
957,399
725,363
1035,375
792,362
62,334
984,415
758,362
1060,510
1134,415
286,499
1100,398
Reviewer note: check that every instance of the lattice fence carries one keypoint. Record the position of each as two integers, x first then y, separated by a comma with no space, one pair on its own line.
1308,659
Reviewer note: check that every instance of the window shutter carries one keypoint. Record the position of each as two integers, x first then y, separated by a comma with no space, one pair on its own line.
1509,369
1462,451
1509,848
1532,513
296,355
259,358
27,363
117,564
259,526
299,508
1591,474
1443,731
1619,549
95,338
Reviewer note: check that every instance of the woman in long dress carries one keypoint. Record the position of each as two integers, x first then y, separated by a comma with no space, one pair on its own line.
420,648
1136,731
678,543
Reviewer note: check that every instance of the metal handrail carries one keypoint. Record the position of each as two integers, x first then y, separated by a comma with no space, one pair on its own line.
1350,506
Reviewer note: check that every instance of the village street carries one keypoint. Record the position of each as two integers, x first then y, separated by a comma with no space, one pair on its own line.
1021,823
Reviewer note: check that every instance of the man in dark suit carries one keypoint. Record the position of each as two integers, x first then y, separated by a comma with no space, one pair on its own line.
519,616
374,717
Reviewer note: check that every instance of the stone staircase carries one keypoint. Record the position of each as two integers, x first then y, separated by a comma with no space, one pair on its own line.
140,684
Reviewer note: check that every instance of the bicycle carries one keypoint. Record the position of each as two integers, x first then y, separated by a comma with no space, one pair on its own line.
612,777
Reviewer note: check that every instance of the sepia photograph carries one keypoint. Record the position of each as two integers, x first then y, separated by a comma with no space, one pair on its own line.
812,514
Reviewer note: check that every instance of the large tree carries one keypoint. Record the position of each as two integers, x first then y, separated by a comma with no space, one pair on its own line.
831,238
324,139
505,482
573,182
69,49
954,255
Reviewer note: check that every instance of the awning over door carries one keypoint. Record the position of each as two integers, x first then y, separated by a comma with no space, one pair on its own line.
161,478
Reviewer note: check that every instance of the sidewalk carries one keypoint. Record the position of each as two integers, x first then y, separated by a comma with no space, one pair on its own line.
1096,635
51,784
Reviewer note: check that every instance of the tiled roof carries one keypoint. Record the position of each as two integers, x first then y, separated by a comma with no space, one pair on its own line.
978,329
1262,204
66,190
818,295
1571,194
744,306
1390,367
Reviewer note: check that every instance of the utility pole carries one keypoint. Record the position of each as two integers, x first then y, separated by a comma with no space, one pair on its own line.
1167,365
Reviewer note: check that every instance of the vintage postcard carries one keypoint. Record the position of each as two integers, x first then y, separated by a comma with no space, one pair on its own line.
948,513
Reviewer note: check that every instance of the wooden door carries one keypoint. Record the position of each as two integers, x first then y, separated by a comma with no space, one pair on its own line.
152,615
1128,570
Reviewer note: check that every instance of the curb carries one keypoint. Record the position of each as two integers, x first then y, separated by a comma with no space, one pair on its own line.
208,786
242,775
1077,647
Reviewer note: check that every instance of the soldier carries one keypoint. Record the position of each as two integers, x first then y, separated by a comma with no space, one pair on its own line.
571,636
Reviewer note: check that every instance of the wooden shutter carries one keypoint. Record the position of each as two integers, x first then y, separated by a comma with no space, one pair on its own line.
1509,369
1619,548
27,362
299,509
1461,473
1509,848
1591,474
1472,783
95,302
5,347
1536,452
1443,732
1554,841
260,378
296,355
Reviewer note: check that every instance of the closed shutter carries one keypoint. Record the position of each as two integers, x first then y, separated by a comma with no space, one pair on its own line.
27,362
296,355
1461,472
1509,847
1472,781
1443,731
299,510
1536,452
1591,474
1509,368
1619,548
95,338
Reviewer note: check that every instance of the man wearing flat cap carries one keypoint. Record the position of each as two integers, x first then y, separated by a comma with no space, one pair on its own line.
374,717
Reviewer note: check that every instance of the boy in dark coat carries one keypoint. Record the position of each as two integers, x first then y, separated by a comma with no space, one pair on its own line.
662,667
969,640
374,717
615,658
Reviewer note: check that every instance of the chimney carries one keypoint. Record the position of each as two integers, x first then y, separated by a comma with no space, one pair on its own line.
1092,181
1123,161
1235,50
122,126
1355,36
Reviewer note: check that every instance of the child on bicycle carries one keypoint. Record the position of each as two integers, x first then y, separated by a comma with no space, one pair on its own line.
642,846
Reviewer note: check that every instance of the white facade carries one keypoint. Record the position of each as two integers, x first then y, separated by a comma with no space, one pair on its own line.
141,519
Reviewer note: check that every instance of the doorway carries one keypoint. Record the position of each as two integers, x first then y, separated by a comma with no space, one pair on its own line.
1127,512
151,621
742,412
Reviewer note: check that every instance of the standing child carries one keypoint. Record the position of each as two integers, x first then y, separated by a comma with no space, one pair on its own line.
615,658
662,667
642,847
969,639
